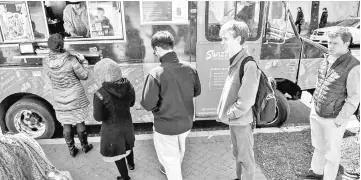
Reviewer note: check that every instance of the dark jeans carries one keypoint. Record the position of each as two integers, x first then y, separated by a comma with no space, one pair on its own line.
122,165
299,28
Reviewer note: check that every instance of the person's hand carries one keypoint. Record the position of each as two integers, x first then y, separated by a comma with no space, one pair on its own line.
72,34
80,57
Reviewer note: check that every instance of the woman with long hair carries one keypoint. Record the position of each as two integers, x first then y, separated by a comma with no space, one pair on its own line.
70,102
299,19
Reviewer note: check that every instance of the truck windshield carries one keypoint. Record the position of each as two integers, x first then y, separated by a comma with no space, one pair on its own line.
219,12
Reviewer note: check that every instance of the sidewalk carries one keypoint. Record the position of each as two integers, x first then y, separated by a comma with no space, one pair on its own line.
208,158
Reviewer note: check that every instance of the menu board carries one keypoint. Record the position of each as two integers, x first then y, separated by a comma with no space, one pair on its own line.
217,78
164,12
15,21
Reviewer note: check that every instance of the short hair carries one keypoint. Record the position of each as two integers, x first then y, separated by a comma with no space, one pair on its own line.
56,42
237,28
100,9
300,8
164,39
342,32
324,9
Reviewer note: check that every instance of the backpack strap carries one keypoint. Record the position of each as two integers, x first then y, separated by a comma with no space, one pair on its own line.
243,63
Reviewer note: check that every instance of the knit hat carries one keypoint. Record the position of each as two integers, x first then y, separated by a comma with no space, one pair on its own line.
107,70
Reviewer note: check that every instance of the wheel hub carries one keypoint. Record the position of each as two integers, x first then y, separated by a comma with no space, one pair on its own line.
29,122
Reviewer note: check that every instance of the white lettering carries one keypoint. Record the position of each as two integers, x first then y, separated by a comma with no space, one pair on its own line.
213,54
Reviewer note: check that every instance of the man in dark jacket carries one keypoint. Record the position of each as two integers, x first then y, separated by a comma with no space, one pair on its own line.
168,92
323,20
336,99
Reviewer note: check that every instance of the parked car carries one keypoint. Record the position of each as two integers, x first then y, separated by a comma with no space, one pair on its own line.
353,24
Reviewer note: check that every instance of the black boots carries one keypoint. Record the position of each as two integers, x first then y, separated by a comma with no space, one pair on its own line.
83,138
69,139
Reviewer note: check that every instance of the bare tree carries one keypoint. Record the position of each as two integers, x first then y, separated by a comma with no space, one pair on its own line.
314,16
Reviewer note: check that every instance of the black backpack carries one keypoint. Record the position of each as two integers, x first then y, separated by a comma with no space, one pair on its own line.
264,109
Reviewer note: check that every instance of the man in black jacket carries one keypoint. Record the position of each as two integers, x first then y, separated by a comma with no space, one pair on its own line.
168,92
323,20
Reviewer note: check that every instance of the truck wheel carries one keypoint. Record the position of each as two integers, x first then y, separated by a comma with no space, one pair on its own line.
282,111
31,116
2,118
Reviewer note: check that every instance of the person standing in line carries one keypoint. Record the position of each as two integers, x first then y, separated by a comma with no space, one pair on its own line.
112,104
323,20
168,92
299,19
75,16
335,100
237,99
70,102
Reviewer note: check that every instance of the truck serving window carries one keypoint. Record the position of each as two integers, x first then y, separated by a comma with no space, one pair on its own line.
219,12
86,19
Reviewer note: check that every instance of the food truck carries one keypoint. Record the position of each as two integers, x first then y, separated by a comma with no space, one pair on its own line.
122,31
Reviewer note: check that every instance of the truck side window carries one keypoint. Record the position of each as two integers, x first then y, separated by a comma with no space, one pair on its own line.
37,19
85,19
219,12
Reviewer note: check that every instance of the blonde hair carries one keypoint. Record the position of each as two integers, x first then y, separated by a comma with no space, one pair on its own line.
342,32
237,28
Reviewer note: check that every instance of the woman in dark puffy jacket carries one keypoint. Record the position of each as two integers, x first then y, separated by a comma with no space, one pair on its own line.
70,102
112,104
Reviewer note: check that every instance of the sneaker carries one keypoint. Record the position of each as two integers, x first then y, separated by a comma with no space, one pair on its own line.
310,175
351,175
121,178
162,170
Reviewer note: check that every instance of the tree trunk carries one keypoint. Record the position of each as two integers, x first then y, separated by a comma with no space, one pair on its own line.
314,16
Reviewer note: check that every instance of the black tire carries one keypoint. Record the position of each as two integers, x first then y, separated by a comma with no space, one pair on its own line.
283,111
357,113
2,118
37,107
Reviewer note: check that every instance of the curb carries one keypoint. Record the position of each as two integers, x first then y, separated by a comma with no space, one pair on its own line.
209,134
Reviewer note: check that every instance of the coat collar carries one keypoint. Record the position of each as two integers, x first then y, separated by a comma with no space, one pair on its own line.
239,56
339,59
170,57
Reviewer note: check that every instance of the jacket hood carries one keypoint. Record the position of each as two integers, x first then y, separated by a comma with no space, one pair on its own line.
120,88
56,60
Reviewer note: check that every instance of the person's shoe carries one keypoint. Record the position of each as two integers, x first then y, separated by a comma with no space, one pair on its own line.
162,170
131,167
121,178
73,152
87,148
83,138
310,175
69,139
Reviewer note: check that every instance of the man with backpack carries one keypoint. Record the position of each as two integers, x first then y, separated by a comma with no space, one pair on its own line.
237,99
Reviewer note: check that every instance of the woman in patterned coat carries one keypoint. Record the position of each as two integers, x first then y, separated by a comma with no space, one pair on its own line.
21,157
70,102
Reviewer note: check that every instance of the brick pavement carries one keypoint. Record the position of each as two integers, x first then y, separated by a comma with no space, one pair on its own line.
205,158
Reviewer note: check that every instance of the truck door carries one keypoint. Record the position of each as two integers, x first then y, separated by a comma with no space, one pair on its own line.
211,61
